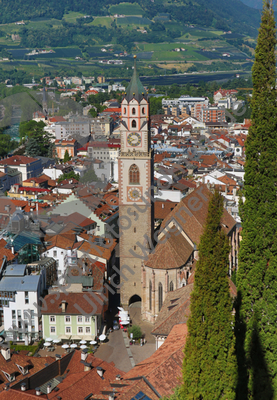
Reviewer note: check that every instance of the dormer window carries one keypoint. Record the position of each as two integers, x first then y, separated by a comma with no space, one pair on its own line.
23,370
10,377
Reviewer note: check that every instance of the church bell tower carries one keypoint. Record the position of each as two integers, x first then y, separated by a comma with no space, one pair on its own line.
135,167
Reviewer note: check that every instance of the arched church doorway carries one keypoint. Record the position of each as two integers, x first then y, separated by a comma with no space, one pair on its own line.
134,299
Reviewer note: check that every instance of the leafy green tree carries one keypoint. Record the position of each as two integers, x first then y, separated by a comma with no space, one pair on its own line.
257,272
89,176
69,175
209,366
156,105
35,130
6,144
136,331
93,113
66,157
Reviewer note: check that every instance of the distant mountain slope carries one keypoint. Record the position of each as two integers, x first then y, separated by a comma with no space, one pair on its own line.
223,14
254,3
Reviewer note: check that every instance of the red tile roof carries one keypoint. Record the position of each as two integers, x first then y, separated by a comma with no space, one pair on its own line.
164,368
73,300
17,160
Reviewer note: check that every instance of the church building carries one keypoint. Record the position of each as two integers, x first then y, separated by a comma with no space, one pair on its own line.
172,263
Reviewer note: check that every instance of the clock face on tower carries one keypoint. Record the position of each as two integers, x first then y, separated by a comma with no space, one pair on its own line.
134,193
134,139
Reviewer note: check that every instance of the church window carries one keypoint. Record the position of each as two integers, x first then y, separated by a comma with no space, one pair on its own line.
135,229
150,295
125,110
134,124
160,292
133,111
135,247
171,287
143,110
134,175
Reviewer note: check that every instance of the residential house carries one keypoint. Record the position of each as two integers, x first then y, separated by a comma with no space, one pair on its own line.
55,171
28,166
57,247
20,291
73,315
66,145
73,376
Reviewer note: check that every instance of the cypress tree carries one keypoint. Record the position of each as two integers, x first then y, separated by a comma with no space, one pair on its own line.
209,367
257,271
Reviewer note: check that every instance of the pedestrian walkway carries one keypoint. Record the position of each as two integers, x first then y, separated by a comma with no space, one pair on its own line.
127,345
115,351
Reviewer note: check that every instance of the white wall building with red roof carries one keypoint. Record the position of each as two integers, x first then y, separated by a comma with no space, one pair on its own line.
28,166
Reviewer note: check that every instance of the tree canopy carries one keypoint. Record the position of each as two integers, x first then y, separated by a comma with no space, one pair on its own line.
257,271
209,367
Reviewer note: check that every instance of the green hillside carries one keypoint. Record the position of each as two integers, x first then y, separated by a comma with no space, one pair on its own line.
221,14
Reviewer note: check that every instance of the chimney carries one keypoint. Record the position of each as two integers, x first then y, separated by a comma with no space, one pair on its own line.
58,356
6,352
100,371
118,377
84,355
63,306
38,391
49,389
23,387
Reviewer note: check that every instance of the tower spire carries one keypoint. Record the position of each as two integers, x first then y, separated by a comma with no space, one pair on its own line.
135,89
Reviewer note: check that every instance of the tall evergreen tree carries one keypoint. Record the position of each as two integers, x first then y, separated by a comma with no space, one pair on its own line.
66,157
257,272
209,368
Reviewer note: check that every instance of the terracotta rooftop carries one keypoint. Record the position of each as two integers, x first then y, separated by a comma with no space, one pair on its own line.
175,310
72,299
164,368
171,252
62,241
192,211
17,160
163,208
95,248
34,365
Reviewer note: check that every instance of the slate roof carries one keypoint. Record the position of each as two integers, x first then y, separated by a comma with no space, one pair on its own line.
20,284
135,88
